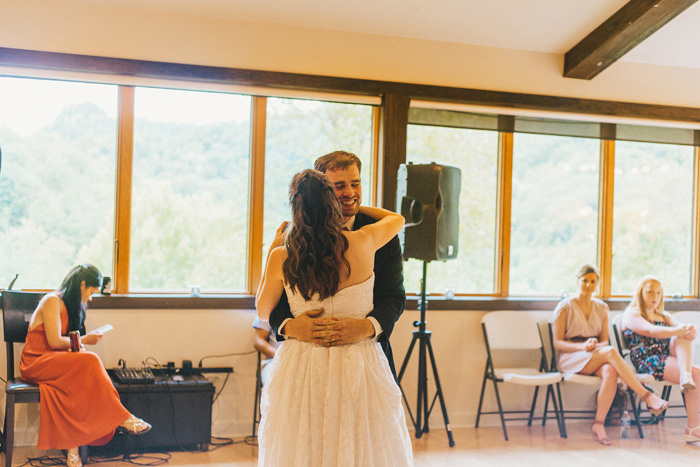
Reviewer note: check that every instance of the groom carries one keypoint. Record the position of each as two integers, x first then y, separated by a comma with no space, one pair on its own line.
343,170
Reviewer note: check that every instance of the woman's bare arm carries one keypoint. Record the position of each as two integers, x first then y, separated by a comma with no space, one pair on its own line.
51,317
558,333
387,226
272,285
633,320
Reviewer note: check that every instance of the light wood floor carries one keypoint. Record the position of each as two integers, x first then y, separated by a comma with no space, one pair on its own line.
663,446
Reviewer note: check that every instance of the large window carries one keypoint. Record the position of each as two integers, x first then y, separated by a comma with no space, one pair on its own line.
653,216
475,152
554,212
300,131
189,220
58,142
530,188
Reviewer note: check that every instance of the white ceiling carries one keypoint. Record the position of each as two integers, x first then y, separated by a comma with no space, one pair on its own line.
552,26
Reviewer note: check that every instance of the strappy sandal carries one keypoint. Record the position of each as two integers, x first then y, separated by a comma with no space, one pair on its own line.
73,460
604,441
689,437
687,383
658,411
135,426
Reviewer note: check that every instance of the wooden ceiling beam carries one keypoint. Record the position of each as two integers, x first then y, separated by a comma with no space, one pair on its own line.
624,30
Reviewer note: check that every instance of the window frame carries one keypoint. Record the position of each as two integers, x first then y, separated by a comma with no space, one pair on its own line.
391,102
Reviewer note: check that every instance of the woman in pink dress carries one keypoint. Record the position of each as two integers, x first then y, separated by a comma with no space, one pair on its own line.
78,402
581,339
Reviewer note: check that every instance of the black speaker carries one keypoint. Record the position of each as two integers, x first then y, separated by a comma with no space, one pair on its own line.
428,197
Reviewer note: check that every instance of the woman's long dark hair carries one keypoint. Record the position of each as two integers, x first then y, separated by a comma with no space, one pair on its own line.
315,243
71,296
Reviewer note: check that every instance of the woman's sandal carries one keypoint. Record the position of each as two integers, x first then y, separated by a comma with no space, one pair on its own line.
135,426
658,411
687,383
73,459
689,437
604,441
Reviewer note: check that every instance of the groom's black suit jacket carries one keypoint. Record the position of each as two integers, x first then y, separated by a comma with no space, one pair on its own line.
389,294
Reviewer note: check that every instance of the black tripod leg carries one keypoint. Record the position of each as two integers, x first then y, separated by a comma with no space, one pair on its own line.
438,387
422,405
403,369
408,355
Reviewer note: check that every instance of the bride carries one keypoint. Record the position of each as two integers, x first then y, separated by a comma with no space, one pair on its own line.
329,405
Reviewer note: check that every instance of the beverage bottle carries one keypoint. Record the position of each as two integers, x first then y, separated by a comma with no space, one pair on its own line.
625,423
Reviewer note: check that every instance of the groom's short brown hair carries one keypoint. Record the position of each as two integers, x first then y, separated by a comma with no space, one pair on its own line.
337,160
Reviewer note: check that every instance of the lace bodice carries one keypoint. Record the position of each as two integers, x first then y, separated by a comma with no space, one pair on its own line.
354,301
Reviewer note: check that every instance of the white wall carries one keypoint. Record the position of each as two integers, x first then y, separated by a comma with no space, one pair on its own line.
97,29
174,335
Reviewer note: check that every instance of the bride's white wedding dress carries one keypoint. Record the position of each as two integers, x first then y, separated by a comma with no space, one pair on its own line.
333,406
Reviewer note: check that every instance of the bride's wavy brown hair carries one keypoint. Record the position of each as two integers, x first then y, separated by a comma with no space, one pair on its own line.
315,242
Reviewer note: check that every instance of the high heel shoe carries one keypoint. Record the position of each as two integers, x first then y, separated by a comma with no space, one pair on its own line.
654,411
135,426
687,383
73,459
689,437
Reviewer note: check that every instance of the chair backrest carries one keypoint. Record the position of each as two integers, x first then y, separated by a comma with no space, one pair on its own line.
617,331
553,365
511,330
17,309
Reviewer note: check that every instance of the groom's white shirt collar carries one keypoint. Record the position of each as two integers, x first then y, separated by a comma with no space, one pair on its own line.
349,224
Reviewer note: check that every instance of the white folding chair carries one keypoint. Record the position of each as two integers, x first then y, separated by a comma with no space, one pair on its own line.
586,380
645,378
517,332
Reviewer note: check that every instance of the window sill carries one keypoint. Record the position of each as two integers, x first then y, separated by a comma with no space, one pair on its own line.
247,302
173,302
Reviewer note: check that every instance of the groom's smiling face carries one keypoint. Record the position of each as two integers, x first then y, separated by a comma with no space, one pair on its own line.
348,189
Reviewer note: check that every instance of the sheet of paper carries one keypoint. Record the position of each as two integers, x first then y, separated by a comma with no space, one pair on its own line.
104,329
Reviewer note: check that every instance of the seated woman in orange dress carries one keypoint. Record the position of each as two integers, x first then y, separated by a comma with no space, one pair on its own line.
79,404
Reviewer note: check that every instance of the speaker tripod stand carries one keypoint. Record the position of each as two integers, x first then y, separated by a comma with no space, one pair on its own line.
425,349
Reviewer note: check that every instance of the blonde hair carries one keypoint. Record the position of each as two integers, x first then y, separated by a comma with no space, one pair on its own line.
638,299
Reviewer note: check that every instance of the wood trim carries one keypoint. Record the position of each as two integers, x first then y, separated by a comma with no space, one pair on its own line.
605,216
695,263
624,30
393,130
122,203
257,191
464,304
205,74
374,171
503,213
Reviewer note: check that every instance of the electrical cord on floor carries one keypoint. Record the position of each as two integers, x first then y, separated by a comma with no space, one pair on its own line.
44,460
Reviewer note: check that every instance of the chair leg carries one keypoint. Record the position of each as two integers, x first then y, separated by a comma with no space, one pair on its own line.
9,428
481,398
532,407
546,407
561,412
500,410
83,454
635,412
